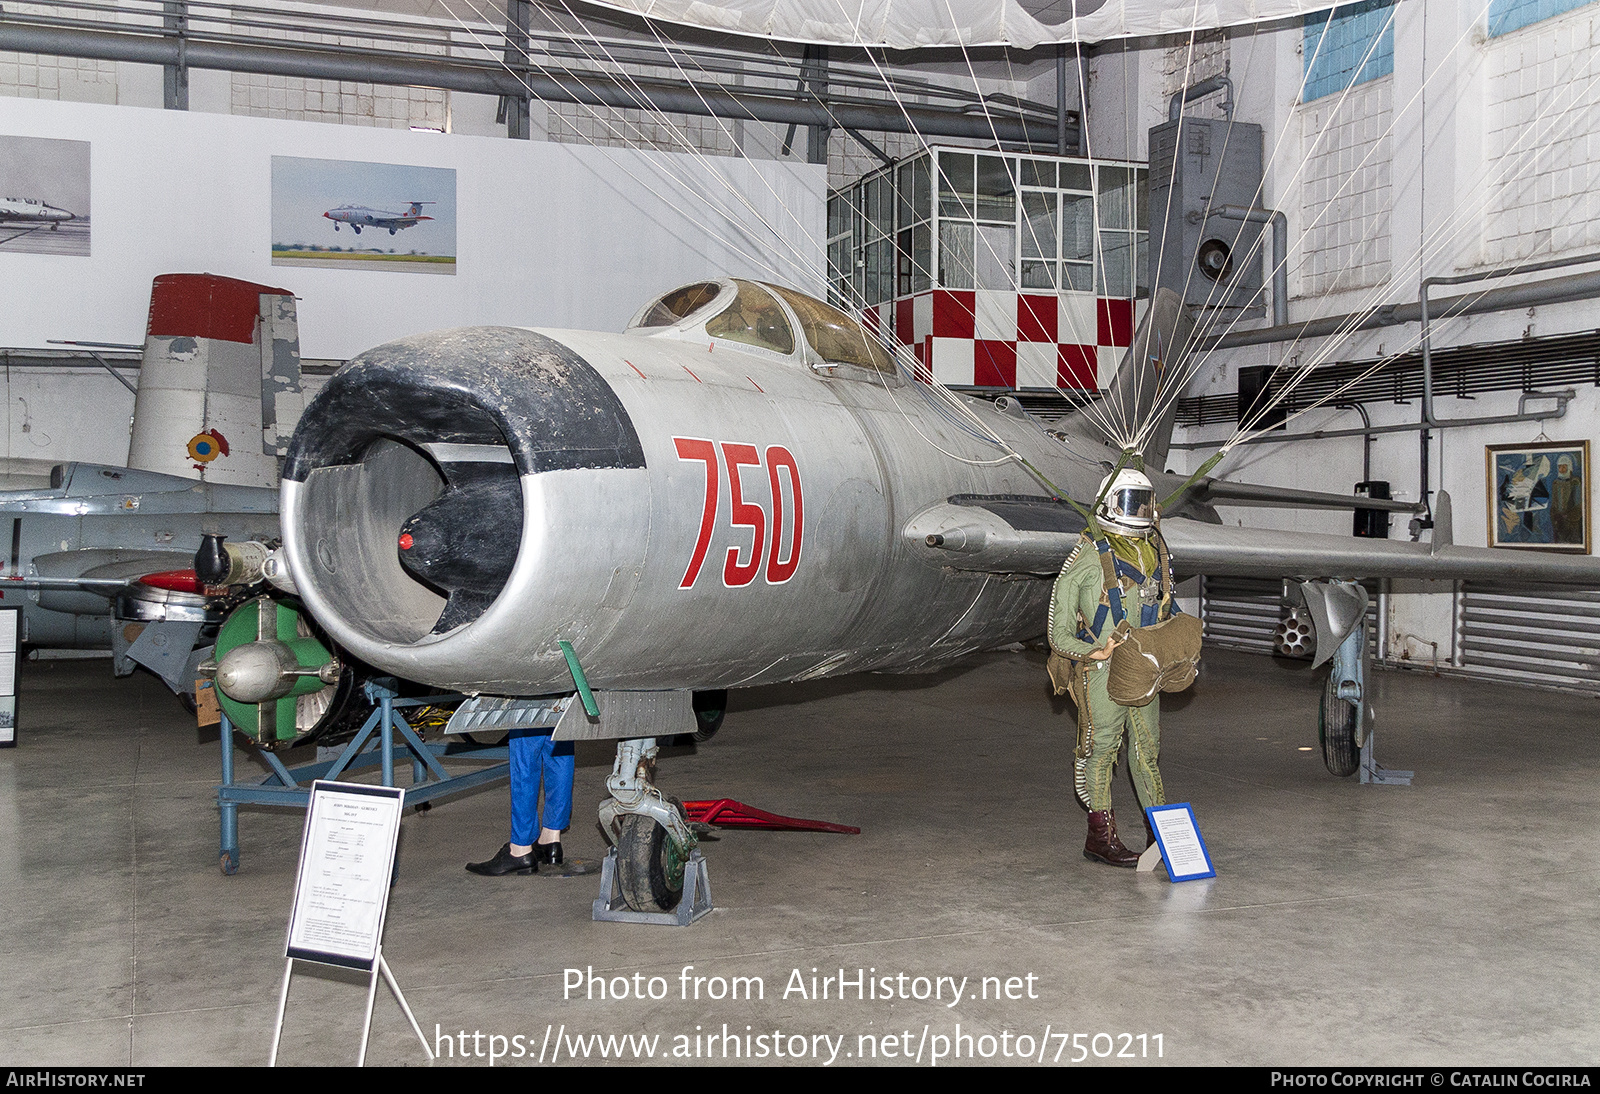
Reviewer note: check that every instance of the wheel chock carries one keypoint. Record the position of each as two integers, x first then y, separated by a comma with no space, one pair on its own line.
609,907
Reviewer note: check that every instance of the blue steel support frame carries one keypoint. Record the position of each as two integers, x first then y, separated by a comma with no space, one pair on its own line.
373,746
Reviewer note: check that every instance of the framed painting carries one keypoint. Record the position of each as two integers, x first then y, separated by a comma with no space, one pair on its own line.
1539,495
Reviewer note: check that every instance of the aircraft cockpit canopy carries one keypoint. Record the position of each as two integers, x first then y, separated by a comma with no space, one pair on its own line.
764,316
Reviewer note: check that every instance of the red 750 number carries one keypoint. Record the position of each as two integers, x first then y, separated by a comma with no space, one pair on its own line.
786,530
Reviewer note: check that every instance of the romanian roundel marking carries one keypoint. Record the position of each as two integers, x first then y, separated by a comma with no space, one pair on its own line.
207,446
782,515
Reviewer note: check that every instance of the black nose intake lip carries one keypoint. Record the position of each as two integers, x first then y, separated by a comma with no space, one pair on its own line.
474,385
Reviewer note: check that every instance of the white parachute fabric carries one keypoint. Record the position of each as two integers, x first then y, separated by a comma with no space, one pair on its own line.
917,24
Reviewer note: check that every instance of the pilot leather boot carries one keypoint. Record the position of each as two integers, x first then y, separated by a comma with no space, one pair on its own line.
1103,844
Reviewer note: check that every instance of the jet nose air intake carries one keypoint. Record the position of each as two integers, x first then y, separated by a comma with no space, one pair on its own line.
412,461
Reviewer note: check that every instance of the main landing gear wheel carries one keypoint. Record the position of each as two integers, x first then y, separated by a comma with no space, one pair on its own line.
648,868
1336,729
710,707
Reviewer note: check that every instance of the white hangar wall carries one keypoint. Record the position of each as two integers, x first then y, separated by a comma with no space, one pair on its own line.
548,234
1477,151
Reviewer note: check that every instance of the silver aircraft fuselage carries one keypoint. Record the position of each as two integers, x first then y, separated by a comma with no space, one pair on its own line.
689,511
685,511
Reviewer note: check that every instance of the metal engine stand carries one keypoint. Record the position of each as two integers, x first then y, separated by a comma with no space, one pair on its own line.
373,746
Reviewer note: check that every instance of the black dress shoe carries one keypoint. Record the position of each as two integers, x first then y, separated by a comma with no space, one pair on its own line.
504,862
548,853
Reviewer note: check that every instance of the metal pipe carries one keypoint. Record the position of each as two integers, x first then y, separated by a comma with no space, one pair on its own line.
121,379
1429,420
1366,438
1562,397
552,85
814,75
1061,99
516,108
175,78
1200,91
1496,658
1461,279
1280,252
1515,610
1584,286
1557,635
1083,101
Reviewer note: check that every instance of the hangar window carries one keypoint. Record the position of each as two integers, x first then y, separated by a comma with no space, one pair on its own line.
1506,16
679,304
755,319
834,336
1350,45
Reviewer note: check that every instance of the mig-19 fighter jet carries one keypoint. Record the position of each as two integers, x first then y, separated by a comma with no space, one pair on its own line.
742,488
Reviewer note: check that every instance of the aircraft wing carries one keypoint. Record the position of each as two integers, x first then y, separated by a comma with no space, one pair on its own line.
1220,551
1222,492
1016,535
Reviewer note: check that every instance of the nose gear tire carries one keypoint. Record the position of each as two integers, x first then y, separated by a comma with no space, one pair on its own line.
645,867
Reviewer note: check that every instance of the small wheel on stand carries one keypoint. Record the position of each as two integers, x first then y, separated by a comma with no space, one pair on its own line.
229,863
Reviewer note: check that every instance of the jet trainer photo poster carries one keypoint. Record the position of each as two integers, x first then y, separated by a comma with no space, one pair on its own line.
44,196
345,214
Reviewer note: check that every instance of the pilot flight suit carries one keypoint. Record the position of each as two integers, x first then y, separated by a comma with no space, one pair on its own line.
1081,619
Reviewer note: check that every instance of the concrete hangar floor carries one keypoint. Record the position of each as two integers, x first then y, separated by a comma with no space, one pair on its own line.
1451,922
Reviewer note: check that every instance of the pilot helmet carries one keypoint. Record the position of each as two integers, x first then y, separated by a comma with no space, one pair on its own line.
1127,503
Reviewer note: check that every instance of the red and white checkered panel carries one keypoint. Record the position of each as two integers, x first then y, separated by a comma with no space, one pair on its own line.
1014,340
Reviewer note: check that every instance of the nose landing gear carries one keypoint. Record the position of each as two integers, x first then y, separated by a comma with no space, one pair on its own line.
653,873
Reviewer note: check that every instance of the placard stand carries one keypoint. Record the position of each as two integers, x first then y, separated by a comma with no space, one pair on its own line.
341,894
366,1023
1183,849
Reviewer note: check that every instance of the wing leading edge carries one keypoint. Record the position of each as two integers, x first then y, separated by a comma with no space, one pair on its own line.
983,535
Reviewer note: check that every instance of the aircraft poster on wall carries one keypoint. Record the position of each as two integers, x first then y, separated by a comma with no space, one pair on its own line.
44,196
346,214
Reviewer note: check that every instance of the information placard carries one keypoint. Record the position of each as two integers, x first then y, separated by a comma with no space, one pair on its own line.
346,861
10,663
1182,849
